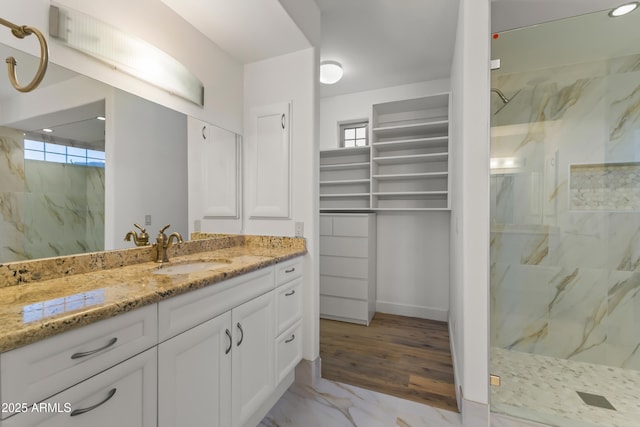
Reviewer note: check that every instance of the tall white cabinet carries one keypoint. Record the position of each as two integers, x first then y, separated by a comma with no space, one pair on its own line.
348,267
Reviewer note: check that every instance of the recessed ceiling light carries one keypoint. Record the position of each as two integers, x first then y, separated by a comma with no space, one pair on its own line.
47,130
101,118
624,9
330,72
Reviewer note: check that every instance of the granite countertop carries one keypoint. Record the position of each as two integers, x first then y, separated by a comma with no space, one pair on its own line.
77,294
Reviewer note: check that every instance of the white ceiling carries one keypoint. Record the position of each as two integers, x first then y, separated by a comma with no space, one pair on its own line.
249,30
383,43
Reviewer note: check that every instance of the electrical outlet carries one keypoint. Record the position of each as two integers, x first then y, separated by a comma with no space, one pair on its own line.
147,220
299,229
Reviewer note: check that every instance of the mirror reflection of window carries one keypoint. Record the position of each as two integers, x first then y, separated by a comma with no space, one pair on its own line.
57,153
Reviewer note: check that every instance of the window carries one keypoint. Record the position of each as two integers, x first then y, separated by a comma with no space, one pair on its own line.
48,152
354,134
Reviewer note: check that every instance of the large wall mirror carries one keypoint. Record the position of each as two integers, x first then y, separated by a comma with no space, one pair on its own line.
80,162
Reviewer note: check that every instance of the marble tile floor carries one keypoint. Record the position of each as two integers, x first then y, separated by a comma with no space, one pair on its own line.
544,389
333,404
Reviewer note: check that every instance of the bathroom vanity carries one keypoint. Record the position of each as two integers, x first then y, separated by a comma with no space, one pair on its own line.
143,345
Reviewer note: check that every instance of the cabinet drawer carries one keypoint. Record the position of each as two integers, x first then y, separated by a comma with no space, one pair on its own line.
176,315
288,351
351,226
288,305
344,246
343,287
343,308
355,268
288,270
133,403
35,372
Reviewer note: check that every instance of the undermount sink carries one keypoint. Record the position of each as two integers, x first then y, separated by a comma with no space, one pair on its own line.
191,267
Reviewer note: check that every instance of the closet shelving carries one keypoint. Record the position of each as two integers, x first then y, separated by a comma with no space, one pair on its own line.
406,167
410,154
345,180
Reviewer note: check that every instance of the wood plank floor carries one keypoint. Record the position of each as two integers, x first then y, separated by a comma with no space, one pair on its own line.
405,357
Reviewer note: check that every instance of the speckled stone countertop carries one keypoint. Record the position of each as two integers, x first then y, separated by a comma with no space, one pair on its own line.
42,298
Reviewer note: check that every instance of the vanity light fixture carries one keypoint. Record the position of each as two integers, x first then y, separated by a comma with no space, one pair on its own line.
330,72
124,52
624,9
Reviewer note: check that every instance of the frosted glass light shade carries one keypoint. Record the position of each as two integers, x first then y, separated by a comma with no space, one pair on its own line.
124,52
330,72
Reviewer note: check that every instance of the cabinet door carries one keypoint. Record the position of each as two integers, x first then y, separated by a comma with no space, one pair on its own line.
268,153
253,356
124,395
194,376
214,178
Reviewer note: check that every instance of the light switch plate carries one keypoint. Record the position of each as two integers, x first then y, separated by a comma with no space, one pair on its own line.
147,220
299,229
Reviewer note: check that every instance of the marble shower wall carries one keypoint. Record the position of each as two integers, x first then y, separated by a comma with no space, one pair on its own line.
565,241
47,209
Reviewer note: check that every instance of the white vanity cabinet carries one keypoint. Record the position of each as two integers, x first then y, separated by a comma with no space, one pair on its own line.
217,357
124,395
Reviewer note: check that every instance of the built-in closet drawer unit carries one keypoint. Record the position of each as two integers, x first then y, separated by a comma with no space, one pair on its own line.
348,266
35,372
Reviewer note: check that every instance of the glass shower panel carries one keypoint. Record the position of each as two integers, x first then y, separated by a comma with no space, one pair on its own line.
565,222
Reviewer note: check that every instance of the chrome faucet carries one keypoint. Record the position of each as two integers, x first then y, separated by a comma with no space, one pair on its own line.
141,239
163,242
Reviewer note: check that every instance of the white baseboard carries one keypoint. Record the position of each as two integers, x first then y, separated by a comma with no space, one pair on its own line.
412,310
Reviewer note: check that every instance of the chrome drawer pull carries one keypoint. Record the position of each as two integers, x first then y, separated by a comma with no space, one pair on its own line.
112,392
111,342
241,334
293,337
288,294
230,342
291,270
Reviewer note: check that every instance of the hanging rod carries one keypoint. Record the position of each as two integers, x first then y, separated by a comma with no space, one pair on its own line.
21,32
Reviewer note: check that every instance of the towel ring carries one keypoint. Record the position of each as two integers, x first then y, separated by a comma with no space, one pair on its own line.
21,32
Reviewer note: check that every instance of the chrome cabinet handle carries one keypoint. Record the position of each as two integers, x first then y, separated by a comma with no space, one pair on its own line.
111,393
293,337
288,294
241,334
291,270
230,342
111,342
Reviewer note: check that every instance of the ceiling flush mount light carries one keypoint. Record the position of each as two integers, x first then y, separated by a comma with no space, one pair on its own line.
124,52
624,9
330,72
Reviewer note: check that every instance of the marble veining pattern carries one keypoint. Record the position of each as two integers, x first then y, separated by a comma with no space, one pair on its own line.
332,404
101,285
543,389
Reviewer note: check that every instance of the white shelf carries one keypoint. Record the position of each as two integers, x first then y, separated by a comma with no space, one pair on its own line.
345,151
405,176
412,158
344,166
412,143
411,194
346,181
346,195
412,129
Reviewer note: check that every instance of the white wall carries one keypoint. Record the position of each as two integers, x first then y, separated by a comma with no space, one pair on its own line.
412,247
154,22
356,106
293,78
146,169
469,317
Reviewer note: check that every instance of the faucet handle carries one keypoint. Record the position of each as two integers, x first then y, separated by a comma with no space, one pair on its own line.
164,228
139,227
